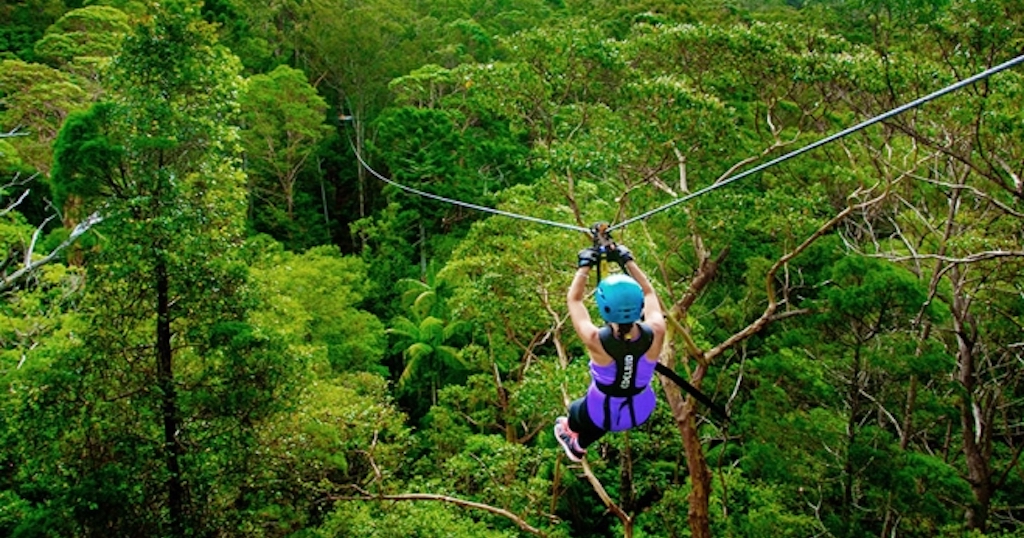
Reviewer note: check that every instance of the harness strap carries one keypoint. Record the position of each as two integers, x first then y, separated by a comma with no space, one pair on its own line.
608,412
700,396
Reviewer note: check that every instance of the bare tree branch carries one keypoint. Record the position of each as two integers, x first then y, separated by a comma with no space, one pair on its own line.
13,132
773,303
520,522
8,282
976,257
10,207
973,190
17,181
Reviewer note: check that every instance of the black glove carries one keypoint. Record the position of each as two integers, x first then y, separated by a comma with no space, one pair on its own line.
588,257
620,254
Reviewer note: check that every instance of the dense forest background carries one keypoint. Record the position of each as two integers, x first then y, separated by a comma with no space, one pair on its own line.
214,322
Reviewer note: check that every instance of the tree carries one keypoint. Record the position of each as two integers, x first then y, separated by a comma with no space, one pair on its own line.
37,99
318,295
354,50
81,37
184,373
426,337
284,123
862,318
962,235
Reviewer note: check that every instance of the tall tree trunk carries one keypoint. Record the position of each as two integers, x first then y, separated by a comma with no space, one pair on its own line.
972,417
684,413
699,514
357,125
854,399
684,409
165,380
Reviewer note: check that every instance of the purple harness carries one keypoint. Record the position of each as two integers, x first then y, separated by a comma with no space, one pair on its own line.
620,396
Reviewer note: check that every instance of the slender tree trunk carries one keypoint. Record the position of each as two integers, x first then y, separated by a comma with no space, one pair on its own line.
979,473
72,210
627,495
165,380
972,417
357,125
289,195
423,251
853,395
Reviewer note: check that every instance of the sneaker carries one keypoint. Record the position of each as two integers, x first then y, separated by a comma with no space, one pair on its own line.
568,439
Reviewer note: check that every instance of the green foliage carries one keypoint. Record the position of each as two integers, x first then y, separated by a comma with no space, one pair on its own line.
388,252
9,159
510,477
85,156
470,29
893,353
359,50
15,233
495,275
24,22
870,296
764,509
518,411
463,155
340,430
35,323
284,123
428,342
315,297
36,99
409,519
93,31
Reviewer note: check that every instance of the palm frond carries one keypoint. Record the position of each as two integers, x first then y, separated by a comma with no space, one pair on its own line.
404,327
432,330
455,328
424,303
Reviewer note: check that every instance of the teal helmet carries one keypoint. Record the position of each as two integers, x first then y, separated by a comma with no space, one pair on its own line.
620,299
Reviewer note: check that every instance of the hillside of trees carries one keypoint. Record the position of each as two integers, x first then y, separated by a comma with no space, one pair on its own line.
216,322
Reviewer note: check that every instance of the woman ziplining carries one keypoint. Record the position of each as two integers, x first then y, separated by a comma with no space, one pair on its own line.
623,353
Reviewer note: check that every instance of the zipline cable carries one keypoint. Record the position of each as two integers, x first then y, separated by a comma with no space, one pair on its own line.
814,145
882,117
467,204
